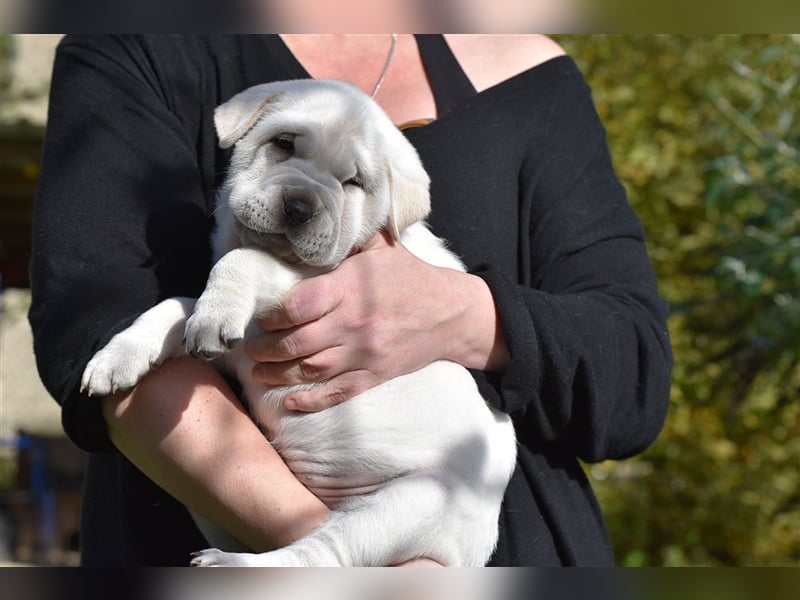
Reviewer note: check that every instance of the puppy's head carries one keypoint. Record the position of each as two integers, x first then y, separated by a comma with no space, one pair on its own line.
317,169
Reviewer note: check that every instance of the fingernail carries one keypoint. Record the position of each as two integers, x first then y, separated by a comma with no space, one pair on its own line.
290,403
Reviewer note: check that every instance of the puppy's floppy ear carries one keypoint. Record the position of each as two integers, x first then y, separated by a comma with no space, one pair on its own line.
237,116
409,196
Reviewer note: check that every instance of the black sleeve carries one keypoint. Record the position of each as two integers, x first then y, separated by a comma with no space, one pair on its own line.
121,217
587,333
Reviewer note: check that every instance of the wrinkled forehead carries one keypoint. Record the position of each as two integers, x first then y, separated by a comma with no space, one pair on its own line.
324,131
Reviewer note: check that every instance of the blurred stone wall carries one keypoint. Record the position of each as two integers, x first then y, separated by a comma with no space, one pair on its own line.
24,403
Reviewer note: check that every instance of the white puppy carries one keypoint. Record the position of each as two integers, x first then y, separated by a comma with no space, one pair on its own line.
414,467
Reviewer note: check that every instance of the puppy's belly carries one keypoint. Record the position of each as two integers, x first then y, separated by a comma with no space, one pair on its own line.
336,490
431,421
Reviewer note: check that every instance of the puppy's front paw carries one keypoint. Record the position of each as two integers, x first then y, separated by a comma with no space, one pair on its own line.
212,557
120,365
214,328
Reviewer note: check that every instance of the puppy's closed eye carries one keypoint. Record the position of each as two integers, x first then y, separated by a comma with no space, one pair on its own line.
354,182
284,142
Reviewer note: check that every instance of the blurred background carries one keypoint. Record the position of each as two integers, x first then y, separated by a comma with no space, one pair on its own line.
705,136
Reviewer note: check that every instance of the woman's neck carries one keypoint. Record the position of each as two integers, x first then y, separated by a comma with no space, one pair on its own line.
404,93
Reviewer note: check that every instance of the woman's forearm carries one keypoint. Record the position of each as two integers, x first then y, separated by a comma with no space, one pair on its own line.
184,428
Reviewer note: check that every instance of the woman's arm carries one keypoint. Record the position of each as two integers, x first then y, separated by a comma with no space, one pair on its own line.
591,356
184,429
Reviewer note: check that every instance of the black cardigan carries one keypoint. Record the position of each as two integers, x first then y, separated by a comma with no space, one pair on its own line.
522,187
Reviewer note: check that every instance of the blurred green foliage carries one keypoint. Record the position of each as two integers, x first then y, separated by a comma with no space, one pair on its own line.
705,134
6,53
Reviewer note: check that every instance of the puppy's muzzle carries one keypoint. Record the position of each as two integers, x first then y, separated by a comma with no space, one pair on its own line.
299,207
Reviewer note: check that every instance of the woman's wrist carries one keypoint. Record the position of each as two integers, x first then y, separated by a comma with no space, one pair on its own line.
476,339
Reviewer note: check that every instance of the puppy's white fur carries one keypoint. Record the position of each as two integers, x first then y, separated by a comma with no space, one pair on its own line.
414,467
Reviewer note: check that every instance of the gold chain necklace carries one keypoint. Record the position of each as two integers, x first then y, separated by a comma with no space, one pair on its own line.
385,66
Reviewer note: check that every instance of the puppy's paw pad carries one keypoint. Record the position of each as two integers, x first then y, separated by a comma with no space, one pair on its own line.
231,343
203,353
210,336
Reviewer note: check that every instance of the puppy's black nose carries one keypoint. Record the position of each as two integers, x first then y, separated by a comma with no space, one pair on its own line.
298,209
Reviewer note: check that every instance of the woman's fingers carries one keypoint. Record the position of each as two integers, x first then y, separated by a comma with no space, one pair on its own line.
332,392
309,300
312,368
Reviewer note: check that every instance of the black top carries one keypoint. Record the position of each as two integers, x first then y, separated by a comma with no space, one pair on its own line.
449,84
522,187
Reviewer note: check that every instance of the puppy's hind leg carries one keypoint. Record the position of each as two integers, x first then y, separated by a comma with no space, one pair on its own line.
401,521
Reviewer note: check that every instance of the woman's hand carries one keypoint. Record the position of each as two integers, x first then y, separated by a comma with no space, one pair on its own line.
380,314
